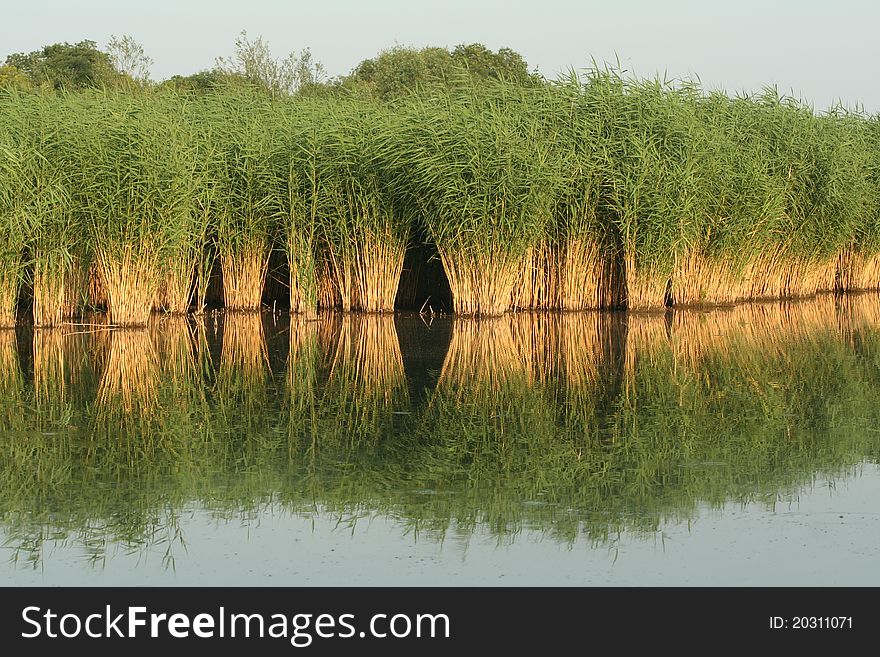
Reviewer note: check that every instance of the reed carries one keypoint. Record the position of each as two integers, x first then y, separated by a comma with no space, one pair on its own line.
243,197
17,194
596,191
137,198
573,266
57,241
347,162
309,276
479,176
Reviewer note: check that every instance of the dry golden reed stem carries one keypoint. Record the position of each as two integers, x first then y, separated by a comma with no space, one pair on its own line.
244,275
480,284
96,293
175,291
8,299
50,296
57,291
645,289
302,301
581,273
699,280
378,264
130,280
779,275
574,275
535,286
365,277
857,271
329,295
344,277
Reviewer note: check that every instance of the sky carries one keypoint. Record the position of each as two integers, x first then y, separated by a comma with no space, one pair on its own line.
824,52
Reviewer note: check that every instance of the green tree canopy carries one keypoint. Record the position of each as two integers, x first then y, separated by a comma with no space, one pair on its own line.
12,77
398,71
204,81
66,66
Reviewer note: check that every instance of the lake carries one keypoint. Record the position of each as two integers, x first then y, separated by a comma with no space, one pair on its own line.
733,446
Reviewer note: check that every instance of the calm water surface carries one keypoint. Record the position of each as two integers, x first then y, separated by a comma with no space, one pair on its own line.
737,446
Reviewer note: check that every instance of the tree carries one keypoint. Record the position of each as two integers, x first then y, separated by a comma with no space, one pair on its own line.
12,77
484,64
309,74
129,58
66,66
399,71
203,81
253,60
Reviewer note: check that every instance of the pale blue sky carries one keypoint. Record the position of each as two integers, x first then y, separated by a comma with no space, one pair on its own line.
822,51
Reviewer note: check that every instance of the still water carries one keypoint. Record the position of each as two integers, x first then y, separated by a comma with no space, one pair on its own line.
735,446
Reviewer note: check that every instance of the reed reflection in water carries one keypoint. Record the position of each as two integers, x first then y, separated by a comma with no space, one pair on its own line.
576,425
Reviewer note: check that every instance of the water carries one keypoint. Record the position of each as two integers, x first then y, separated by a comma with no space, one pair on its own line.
737,446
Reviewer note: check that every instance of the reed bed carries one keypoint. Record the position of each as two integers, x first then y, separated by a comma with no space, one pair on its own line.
311,282
58,246
582,248
137,197
18,189
346,236
481,178
243,196
595,191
